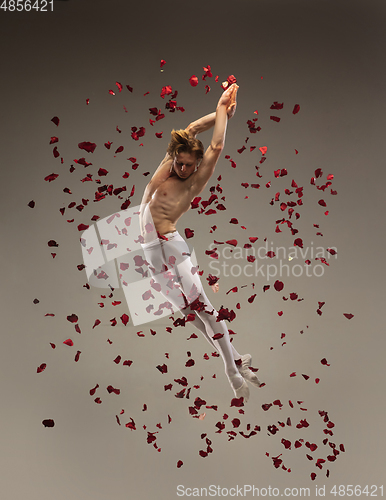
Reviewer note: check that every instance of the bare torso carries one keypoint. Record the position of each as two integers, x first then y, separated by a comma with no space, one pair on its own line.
170,200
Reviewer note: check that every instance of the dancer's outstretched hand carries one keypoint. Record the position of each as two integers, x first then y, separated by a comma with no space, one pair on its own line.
232,105
226,97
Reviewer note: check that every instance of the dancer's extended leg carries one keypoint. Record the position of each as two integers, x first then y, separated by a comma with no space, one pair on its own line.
206,321
181,287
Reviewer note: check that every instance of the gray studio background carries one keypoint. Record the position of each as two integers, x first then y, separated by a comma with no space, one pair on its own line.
326,56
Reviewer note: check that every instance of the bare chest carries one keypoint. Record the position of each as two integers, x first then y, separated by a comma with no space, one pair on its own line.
172,197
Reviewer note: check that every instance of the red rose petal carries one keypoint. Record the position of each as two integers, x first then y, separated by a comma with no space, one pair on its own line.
163,369
48,422
189,233
131,425
277,105
73,318
111,389
193,80
237,402
278,285
296,109
41,368
69,342
124,318
51,177
92,391
55,120
87,146
298,242
348,315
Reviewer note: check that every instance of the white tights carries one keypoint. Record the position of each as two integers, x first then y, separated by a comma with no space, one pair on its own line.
178,281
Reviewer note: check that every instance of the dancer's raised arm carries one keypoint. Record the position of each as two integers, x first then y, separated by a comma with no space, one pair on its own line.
225,107
206,122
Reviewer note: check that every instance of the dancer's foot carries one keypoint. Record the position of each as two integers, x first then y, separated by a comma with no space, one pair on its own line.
239,386
246,373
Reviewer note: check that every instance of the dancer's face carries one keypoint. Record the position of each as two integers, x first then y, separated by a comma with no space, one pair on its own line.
184,164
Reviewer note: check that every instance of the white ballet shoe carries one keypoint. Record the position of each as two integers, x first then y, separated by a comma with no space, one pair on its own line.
246,373
243,390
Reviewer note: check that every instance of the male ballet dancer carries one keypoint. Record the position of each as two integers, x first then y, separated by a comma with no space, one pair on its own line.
181,176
